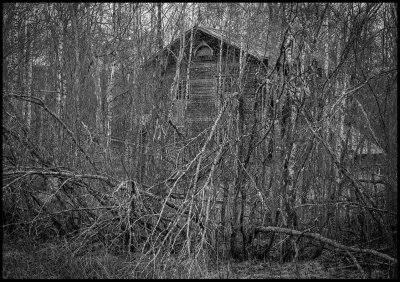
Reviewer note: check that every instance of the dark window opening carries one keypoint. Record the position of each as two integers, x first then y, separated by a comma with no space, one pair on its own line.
204,52
181,92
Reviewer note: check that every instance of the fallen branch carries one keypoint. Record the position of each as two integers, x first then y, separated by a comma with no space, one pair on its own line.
320,238
42,104
353,204
108,180
48,215
68,174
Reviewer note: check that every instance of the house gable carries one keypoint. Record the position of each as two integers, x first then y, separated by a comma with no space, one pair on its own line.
202,83
211,37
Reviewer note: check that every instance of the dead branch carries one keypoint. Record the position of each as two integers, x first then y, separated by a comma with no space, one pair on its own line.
59,174
353,204
325,240
51,214
42,104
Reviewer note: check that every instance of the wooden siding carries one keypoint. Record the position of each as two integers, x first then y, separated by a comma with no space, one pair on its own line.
203,70
199,111
178,114
202,94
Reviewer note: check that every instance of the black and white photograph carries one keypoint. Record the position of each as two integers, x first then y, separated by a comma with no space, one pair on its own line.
211,140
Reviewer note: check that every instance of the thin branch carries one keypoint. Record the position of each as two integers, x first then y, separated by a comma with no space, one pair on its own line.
39,102
58,212
346,203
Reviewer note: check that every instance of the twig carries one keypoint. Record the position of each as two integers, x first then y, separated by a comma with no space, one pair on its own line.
359,188
41,103
55,213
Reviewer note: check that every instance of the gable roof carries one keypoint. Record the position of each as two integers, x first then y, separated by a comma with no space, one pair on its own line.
252,48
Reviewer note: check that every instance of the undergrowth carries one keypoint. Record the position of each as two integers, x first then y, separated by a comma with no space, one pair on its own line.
57,259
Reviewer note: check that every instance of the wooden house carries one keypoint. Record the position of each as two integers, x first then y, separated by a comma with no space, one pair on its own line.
209,68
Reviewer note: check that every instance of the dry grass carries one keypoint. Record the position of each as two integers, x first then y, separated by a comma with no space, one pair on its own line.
53,260
29,259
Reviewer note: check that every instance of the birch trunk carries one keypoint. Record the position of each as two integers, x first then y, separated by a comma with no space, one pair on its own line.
63,69
109,98
29,63
238,236
76,88
188,71
60,47
98,93
339,128
131,155
27,76
176,82
41,115
291,145
277,98
159,26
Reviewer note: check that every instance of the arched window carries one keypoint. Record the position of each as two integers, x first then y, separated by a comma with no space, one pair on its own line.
204,52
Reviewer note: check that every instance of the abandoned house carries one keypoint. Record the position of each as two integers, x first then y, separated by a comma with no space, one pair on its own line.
210,70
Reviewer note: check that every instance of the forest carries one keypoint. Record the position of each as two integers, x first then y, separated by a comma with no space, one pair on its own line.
133,146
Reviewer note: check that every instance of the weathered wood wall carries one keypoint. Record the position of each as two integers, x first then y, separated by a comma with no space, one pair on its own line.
202,105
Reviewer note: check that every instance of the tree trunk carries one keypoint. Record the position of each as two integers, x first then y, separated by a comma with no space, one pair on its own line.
28,76
98,94
76,88
109,98
238,235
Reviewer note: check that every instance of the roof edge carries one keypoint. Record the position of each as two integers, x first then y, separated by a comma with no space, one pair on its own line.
208,31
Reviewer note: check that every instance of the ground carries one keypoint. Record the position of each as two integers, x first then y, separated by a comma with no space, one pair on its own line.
50,260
